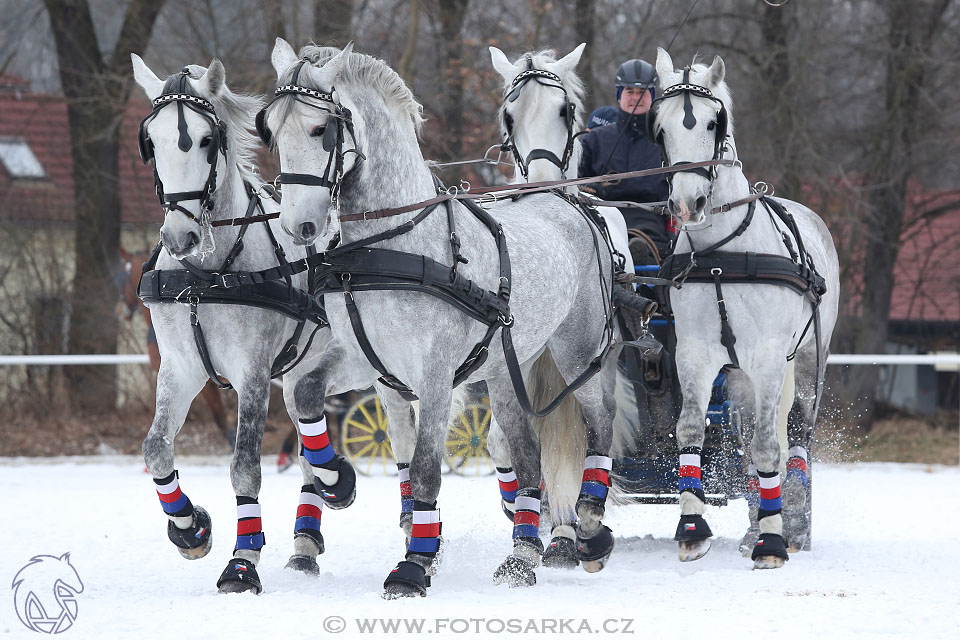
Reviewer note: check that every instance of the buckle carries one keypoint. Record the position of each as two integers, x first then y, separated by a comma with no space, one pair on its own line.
230,280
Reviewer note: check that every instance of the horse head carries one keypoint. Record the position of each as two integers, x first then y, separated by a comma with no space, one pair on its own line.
692,123
195,136
541,111
312,126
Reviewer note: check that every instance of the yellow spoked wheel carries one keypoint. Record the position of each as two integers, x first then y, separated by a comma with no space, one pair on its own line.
364,440
466,442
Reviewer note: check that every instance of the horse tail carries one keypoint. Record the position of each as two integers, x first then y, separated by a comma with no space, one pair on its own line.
563,437
626,431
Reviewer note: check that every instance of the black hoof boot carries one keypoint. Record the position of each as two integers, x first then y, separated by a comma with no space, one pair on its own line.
342,494
239,576
303,564
408,580
561,553
770,552
693,535
515,572
193,542
595,550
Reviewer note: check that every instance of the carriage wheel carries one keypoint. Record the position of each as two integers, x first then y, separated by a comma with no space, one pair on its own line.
363,437
466,442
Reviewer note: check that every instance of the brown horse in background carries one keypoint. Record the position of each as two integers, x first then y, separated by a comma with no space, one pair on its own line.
132,266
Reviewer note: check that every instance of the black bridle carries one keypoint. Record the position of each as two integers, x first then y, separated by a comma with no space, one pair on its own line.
333,135
568,109
178,91
686,89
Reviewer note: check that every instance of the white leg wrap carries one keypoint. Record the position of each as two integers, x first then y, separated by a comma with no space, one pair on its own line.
564,531
690,505
772,524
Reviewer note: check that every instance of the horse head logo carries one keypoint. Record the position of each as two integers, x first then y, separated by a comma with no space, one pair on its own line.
45,594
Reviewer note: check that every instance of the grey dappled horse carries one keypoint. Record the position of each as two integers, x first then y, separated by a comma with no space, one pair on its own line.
199,140
694,122
346,128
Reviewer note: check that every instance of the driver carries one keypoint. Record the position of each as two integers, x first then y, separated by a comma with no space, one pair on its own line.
623,146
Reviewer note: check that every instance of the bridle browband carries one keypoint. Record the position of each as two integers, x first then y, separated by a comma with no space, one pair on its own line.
332,136
547,79
686,89
218,144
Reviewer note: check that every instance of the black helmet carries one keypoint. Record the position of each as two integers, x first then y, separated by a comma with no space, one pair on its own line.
636,73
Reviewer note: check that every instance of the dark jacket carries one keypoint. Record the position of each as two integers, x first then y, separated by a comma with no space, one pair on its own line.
605,150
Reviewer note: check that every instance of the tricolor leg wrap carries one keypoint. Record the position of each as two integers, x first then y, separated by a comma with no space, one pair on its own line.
596,477
406,489
425,537
316,448
508,484
249,527
308,514
689,473
797,465
526,517
175,502
770,501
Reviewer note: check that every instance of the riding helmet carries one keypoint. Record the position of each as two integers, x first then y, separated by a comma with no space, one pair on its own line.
636,73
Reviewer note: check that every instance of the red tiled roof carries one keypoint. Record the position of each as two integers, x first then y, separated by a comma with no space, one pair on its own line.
41,120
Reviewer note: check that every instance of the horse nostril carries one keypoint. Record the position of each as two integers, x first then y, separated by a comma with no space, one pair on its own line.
671,206
308,230
701,203
192,240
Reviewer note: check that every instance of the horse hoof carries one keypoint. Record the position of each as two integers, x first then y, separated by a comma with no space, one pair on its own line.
196,541
690,550
408,580
303,564
561,553
341,494
239,576
515,572
768,562
595,550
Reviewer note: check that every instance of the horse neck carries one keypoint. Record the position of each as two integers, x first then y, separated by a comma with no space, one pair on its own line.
394,174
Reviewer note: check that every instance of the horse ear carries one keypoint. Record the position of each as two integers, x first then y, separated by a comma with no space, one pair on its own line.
283,56
569,62
716,72
327,74
664,66
152,85
215,77
503,66
65,557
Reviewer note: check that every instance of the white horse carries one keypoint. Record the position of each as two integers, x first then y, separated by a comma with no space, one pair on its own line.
199,141
346,128
539,118
723,299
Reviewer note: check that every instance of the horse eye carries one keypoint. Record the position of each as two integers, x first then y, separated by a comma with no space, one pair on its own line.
205,142
317,131
508,120
563,111
712,125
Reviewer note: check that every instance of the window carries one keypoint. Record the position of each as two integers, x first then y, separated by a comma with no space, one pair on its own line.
18,159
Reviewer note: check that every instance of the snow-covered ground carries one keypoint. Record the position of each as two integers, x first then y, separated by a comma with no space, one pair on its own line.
884,565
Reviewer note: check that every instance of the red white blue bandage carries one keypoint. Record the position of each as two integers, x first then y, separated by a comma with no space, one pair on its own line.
174,501
406,489
770,501
797,464
508,484
596,475
425,537
249,526
309,510
689,474
526,517
316,448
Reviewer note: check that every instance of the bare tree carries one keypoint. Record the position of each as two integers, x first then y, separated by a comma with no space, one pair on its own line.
96,90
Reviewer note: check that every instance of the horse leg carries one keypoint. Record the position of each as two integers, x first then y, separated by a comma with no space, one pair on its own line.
410,578
696,373
188,525
402,431
499,451
334,476
769,552
241,574
285,457
211,395
797,483
307,539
